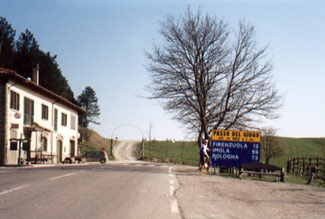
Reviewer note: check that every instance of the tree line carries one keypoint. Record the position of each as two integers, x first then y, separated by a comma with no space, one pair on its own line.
23,54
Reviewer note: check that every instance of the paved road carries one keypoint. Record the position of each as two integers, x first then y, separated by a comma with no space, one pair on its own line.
125,151
113,190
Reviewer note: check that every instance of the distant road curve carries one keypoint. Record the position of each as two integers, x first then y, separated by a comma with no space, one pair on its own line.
125,151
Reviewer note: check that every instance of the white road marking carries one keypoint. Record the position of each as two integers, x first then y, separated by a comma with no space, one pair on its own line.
14,189
58,177
174,206
173,202
171,190
139,165
151,165
165,166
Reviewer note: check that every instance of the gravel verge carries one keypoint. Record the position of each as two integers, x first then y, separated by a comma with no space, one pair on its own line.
205,196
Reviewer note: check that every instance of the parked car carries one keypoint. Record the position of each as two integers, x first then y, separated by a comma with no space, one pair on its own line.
90,156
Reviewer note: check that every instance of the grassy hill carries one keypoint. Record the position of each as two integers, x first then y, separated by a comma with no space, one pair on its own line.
94,141
188,152
300,147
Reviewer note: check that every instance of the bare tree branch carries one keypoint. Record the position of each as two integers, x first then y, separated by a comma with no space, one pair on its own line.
208,78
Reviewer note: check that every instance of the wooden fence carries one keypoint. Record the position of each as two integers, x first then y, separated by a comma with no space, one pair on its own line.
305,166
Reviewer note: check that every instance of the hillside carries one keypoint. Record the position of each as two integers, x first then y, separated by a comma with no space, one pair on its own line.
300,147
188,152
94,141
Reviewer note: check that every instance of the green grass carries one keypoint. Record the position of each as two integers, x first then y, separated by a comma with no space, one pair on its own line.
299,147
89,146
295,179
188,153
177,152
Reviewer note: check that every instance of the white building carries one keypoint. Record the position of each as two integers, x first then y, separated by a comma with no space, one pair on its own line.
35,123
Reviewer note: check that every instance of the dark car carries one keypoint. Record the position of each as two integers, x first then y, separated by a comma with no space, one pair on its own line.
91,156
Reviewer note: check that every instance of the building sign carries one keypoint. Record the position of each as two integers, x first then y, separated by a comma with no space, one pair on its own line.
233,148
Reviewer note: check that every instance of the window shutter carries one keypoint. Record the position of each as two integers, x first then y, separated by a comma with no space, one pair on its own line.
25,111
17,102
55,119
11,99
32,113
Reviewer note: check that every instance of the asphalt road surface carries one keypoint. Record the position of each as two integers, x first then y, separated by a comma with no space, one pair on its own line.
113,190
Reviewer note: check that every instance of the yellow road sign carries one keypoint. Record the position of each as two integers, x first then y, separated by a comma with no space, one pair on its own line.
236,136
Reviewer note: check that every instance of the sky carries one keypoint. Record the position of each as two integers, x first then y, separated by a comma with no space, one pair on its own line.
102,44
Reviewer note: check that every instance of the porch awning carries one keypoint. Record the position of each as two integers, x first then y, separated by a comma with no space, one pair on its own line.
36,127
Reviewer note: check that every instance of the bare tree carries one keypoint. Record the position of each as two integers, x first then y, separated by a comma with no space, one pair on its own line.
270,146
210,77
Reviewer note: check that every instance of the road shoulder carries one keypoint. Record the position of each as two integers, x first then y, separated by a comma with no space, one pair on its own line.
205,196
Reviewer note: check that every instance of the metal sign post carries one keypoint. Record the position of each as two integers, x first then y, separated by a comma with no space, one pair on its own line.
19,140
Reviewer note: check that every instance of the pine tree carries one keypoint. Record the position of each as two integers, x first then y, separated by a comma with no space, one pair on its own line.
25,53
7,44
88,101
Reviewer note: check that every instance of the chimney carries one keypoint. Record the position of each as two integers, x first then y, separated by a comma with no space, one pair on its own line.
36,74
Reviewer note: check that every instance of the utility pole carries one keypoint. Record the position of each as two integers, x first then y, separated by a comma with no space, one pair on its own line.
149,146
150,127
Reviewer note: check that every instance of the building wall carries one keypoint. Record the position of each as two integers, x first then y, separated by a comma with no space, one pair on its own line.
2,120
63,133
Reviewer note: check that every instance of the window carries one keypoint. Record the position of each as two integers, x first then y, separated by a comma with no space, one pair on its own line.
14,100
13,136
13,145
45,112
44,144
98,153
73,122
55,119
64,119
90,154
28,111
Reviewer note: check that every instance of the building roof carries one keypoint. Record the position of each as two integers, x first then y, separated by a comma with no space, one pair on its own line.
10,74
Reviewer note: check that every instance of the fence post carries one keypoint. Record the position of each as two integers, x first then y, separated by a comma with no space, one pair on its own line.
317,167
288,165
282,175
298,169
310,160
303,166
167,150
142,148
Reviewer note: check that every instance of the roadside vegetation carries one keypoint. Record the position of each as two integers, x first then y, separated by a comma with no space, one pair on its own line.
94,141
181,152
187,152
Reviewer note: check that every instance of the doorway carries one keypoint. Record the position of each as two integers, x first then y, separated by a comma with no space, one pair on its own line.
59,151
72,148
